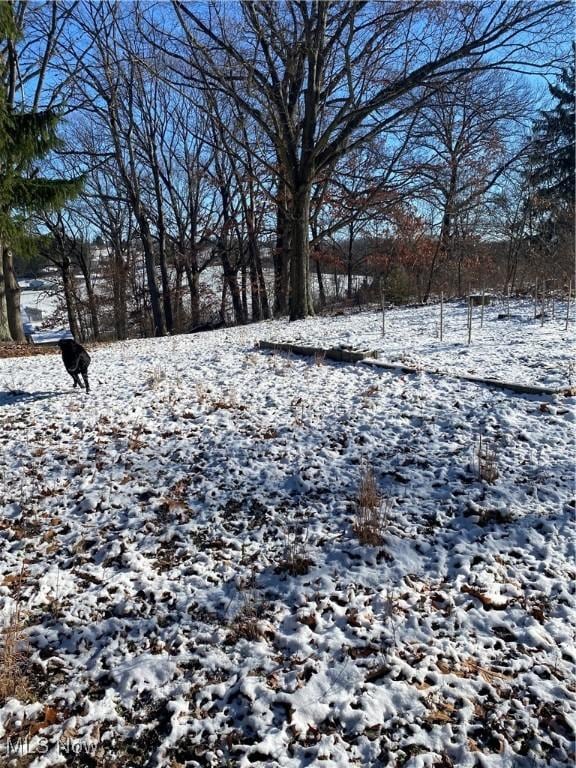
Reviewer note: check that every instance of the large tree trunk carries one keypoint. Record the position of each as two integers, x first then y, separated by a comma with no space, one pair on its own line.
350,260
92,302
93,309
300,303
442,250
12,296
155,304
166,292
231,280
178,306
120,276
223,301
243,292
166,297
264,303
255,291
68,285
444,247
349,288
5,334
320,278
281,260
130,178
193,280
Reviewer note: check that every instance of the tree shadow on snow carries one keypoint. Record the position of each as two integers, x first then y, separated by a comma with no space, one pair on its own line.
20,396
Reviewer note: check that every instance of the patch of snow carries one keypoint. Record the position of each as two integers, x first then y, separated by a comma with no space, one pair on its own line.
181,544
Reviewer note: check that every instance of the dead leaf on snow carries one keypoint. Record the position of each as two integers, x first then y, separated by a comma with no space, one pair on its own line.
14,578
473,745
50,718
470,667
486,600
443,713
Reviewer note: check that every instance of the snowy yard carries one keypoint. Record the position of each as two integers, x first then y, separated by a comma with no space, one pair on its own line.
182,552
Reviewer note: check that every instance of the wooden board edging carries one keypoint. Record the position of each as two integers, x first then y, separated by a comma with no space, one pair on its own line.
525,389
370,357
340,354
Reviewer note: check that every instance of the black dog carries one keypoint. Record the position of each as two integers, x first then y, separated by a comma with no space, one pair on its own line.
76,360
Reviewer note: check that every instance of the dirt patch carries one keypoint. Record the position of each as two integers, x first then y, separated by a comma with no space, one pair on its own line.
17,349
21,349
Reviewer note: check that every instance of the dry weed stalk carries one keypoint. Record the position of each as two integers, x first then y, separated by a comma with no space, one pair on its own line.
297,407
156,376
228,401
202,393
12,387
487,464
245,622
13,678
135,441
371,511
295,560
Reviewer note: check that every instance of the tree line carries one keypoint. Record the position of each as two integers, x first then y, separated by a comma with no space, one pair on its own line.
236,154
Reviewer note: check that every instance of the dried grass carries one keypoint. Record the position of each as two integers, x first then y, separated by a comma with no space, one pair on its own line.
371,511
486,457
13,655
295,560
156,376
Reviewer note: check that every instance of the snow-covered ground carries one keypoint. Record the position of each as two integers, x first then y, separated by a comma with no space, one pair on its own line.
182,549
43,300
39,302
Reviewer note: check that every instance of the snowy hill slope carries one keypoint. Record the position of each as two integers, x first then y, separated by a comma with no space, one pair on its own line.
182,549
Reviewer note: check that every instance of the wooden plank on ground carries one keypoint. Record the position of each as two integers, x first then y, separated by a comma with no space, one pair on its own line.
525,389
369,357
341,354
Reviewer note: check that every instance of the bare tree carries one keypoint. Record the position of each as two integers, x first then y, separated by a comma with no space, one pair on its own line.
107,82
469,134
184,187
61,252
364,191
321,78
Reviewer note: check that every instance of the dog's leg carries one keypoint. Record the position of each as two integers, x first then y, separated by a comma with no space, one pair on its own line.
76,380
85,377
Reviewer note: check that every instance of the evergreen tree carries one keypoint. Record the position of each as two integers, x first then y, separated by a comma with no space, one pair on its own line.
551,177
26,138
553,157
